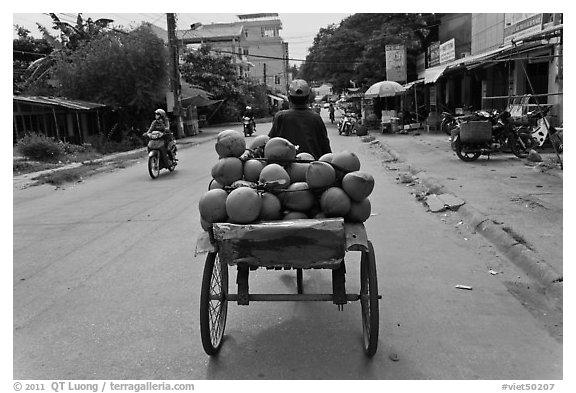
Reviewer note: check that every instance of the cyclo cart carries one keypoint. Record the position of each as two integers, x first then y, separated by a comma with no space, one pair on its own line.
297,244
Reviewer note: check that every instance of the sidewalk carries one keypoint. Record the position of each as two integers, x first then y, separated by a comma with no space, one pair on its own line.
515,204
207,134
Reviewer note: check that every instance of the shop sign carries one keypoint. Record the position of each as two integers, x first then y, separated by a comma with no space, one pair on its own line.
434,54
517,26
448,51
396,63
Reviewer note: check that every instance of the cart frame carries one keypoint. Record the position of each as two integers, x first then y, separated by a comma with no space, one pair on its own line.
215,287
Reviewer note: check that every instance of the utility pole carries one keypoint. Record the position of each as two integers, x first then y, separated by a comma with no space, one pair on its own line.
175,72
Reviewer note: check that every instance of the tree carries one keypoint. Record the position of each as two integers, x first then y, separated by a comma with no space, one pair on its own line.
26,50
218,75
355,50
71,38
127,71
211,72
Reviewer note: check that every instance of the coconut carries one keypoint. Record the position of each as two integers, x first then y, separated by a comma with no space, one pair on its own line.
275,173
252,169
290,215
359,211
346,160
358,185
243,205
298,197
227,170
212,205
320,174
271,207
334,202
280,149
230,143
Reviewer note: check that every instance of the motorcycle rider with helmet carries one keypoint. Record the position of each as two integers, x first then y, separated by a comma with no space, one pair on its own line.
301,125
161,123
248,112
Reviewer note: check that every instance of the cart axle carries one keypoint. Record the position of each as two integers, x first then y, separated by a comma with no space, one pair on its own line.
278,297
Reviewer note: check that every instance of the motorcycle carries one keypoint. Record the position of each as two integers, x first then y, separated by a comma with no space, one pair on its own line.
348,124
536,123
160,157
496,132
249,125
450,121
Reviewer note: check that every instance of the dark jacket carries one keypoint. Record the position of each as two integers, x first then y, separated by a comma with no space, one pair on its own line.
303,127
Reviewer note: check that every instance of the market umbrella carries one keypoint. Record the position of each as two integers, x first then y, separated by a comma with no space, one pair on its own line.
384,89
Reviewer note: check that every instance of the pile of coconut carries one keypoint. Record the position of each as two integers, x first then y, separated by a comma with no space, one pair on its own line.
269,180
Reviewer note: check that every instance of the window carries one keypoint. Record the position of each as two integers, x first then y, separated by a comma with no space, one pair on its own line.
268,32
245,52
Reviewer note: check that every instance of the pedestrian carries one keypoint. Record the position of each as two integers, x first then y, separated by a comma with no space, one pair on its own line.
301,125
331,112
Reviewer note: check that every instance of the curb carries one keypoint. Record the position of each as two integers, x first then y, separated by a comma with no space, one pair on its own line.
180,143
520,255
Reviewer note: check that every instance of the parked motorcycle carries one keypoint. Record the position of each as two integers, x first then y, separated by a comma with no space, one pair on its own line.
249,125
450,120
348,124
160,157
538,125
495,133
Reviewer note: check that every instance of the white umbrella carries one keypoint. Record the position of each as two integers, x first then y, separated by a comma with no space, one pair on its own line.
384,89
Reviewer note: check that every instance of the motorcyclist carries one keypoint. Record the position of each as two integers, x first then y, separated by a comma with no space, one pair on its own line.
161,123
301,125
249,112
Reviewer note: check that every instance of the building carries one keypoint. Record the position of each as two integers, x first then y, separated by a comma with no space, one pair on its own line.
254,43
73,121
491,60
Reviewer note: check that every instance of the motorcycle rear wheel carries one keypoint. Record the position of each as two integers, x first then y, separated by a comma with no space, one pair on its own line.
466,156
154,166
521,147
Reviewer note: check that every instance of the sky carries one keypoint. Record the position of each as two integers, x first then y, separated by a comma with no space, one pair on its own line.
298,29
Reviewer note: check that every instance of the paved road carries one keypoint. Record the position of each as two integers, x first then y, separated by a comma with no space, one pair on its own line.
106,286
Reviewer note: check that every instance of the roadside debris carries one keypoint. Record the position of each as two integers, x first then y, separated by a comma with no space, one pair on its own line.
534,156
468,288
394,357
405,178
438,203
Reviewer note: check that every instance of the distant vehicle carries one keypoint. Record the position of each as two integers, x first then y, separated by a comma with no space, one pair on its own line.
326,105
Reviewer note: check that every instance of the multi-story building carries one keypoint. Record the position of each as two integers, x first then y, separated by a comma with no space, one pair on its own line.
254,43
490,60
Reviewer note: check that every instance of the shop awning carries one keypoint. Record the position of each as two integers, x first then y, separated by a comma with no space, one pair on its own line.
432,74
413,83
78,105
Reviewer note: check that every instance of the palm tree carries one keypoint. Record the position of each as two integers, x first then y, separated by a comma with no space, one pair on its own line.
71,37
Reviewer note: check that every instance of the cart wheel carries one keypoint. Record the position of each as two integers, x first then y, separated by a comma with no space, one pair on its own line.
369,300
213,303
299,281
